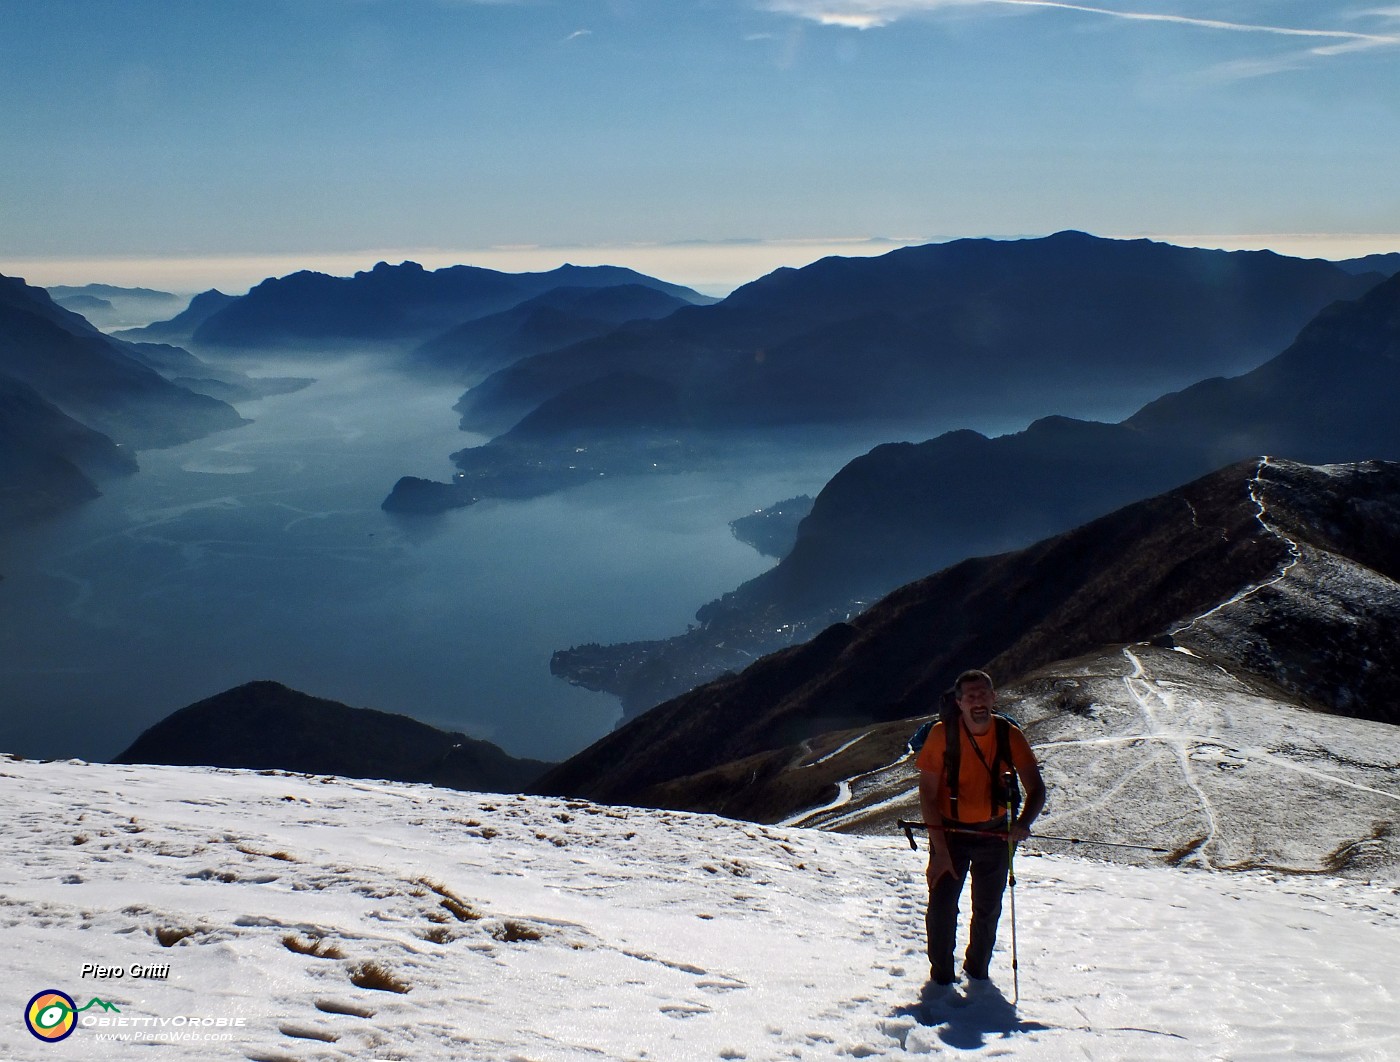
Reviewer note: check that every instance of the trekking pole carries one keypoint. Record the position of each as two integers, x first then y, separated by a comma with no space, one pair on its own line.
910,827
1011,882
1099,844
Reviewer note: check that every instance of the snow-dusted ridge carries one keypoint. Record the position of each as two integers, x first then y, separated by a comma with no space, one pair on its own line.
1295,552
535,929
1143,744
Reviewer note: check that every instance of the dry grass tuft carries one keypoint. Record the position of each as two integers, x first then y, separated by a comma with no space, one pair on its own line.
317,949
459,910
251,851
380,978
454,904
1185,851
511,931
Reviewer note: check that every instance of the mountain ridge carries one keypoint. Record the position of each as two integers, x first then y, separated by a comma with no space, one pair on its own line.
1205,567
824,340
93,377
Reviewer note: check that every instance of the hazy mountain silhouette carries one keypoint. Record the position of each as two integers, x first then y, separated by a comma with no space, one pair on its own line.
1385,264
153,346
403,305
181,327
95,378
181,367
83,304
112,306
111,291
557,318
267,726
1279,571
905,509
1025,323
50,461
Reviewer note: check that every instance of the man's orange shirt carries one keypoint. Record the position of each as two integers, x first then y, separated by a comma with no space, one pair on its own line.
974,780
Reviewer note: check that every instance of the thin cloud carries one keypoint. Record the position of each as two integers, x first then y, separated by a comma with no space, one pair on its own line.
850,19
577,34
1241,69
871,14
1210,23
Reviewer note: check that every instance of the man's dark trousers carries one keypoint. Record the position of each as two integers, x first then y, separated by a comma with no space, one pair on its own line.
989,862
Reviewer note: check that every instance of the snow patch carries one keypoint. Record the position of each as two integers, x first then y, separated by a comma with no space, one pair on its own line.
348,920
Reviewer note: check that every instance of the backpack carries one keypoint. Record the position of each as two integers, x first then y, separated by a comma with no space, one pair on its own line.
916,743
1006,790
947,713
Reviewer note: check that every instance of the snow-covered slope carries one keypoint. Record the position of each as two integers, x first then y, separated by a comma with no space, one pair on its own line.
1146,744
550,930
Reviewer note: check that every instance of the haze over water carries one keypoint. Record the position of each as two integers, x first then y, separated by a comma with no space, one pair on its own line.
262,553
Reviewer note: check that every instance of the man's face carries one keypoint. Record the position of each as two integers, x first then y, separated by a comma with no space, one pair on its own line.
975,700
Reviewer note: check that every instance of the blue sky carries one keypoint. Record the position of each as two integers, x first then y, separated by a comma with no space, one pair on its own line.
280,132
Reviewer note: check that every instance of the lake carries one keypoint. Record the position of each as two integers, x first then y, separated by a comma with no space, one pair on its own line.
262,553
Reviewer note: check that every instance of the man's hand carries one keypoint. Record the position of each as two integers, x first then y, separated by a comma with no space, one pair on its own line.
1019,833
939,864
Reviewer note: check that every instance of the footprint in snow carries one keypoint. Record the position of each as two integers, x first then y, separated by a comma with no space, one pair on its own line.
682,1011
720,986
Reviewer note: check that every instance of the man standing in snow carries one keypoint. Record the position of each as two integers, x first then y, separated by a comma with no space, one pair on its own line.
964,790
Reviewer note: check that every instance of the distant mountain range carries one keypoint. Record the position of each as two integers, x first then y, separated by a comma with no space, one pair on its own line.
399,307
921,328
109,306
265,725
141,389
1026,326
111,291
1281,578
904,509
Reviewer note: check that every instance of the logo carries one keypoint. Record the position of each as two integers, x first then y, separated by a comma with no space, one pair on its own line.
52,1015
